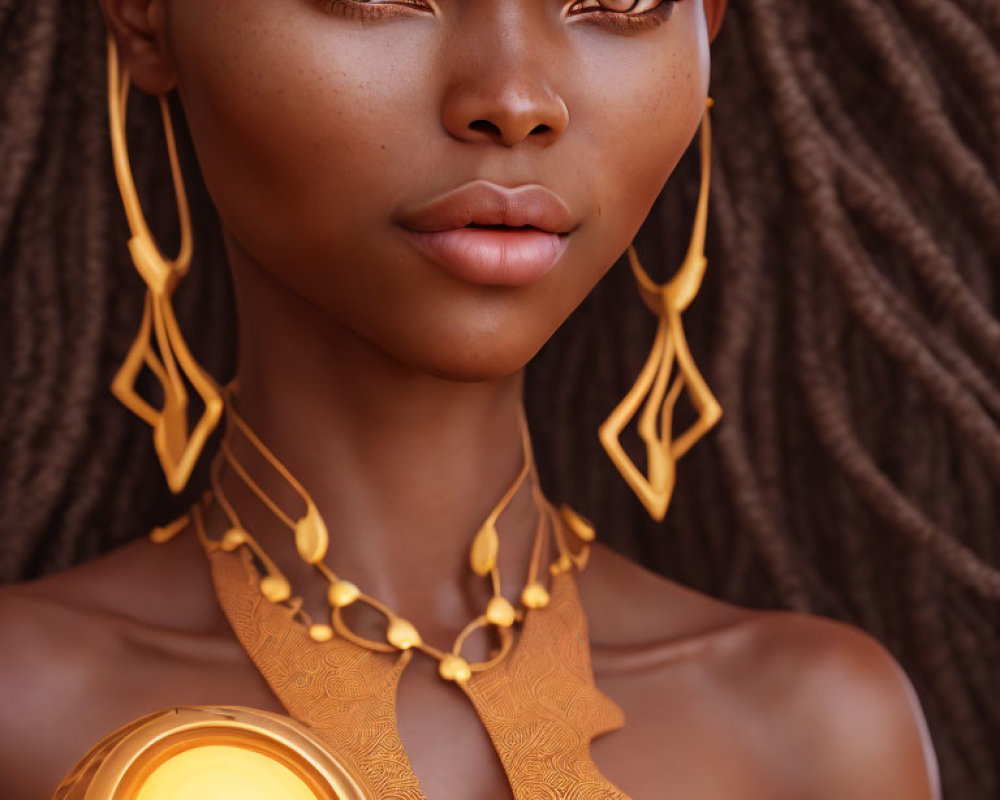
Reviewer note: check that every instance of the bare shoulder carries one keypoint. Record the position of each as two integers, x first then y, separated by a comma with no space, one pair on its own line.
844,704
52,661
627,605
80,648
58,627
822,704
138,583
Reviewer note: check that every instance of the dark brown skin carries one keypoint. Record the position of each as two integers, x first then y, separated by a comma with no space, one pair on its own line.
379,379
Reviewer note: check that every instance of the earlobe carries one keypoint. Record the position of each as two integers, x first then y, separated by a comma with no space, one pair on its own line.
715,10
138,28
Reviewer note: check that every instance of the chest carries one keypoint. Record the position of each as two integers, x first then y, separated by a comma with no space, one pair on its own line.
685,739
682,739
678,742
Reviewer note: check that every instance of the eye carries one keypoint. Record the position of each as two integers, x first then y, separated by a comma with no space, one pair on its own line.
371,9
628,7
624,16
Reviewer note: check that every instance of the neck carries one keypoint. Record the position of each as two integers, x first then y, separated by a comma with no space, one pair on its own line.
403,466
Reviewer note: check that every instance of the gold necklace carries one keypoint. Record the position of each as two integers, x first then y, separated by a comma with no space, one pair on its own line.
311,539
340,741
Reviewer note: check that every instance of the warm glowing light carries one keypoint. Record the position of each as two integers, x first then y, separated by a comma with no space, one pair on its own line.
222,772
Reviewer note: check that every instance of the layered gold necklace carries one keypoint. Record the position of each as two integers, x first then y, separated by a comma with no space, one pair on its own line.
534,693
311,540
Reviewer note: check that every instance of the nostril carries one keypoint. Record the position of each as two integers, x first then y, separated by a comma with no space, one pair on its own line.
484,126
506,131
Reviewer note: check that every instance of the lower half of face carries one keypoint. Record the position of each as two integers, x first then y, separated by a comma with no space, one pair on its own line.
325,128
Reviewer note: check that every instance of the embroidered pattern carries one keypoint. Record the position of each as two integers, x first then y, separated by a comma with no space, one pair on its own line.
347,694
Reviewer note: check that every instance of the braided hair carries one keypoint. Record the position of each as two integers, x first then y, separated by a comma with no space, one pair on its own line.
848,325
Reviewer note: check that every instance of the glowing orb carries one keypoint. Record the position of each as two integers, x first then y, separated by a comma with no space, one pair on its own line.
211,753
221,772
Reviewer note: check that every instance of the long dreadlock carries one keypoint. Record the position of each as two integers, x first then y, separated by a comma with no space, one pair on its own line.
848,326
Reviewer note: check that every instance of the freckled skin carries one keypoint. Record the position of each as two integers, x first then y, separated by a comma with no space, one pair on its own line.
313,130
391,389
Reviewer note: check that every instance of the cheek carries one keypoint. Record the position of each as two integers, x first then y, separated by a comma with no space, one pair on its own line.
311,132
296,125
301,124
651,106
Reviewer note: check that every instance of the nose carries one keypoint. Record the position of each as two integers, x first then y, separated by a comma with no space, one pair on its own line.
514,108
502,93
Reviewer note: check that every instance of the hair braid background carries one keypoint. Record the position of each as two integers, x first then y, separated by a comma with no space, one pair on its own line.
849,325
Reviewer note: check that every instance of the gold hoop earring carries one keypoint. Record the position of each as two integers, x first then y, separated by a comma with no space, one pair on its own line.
667,301
177,450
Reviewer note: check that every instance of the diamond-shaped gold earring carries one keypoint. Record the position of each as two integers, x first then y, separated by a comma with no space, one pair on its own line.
670,347
177,450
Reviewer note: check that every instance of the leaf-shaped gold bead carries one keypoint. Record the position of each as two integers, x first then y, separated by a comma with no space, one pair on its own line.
563,564
233,538
402,634
580,527
321,633
486,545
455,668
500,612
275,588
535,596
164,533
342,594
311,538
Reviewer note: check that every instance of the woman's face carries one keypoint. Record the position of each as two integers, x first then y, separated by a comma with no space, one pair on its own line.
326,129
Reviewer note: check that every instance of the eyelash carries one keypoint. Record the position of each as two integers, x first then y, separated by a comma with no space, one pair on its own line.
625,22
617,21
355,9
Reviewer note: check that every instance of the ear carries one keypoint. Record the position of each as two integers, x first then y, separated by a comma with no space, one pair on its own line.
715,10
138,26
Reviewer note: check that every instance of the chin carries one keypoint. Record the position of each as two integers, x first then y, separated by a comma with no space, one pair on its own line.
465,356
475,371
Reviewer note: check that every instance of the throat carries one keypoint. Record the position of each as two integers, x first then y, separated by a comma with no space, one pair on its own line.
399,525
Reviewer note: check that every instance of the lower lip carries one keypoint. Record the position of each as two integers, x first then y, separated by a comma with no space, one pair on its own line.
493,257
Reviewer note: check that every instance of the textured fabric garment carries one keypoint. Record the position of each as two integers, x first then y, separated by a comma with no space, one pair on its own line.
539,705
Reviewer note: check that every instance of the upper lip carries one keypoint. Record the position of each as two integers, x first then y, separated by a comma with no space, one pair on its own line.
484,203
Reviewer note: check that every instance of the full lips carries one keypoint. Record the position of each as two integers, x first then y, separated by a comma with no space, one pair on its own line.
490,256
